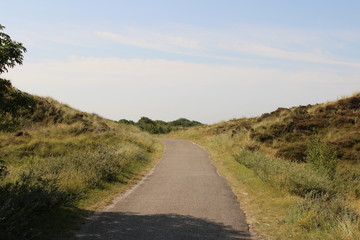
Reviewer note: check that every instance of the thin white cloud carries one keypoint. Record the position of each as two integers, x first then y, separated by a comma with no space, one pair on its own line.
264,43
129,41
271,52
153,41
63,40
292,44
182,42
81,70
166,43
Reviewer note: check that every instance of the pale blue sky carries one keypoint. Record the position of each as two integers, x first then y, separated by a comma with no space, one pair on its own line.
203,60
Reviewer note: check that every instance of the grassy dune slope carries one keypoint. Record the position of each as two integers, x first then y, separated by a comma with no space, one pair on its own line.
58,163
295,171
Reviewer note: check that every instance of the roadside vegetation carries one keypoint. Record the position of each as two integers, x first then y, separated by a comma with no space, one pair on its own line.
58,164
295,171
159,126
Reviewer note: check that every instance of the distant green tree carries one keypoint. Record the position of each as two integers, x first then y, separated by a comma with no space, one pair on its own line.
127,122
11,52
145,120
160,126
183,122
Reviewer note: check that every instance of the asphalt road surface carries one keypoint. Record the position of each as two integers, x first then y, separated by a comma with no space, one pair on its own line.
183,198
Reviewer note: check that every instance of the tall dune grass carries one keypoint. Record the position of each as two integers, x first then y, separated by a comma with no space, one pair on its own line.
52,156
54,167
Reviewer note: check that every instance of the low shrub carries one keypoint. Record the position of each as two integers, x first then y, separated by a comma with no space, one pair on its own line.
295,152
262,137
252,147
322,158
309,126
323,213
303,181
22,201
279,129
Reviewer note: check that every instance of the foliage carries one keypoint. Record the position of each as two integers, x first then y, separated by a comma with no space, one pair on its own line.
127,122
159,126
24,200
11,52
183,122
13,105
13,101
322,157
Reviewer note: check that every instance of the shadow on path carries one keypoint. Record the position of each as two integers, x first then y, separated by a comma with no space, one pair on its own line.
129,226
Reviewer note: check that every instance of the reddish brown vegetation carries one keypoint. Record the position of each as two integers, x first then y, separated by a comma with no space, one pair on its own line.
288,130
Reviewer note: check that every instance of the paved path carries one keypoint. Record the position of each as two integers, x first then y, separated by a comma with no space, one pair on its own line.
184,198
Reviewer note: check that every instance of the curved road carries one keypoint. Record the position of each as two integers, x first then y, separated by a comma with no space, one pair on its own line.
183,198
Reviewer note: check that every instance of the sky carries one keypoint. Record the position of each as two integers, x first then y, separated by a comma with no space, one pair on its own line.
208,61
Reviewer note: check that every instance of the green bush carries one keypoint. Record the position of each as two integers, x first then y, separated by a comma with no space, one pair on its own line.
26,199
322,157
304,181
183,122
159,126
127,122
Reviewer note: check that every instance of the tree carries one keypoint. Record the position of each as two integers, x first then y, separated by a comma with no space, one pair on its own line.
127,122
11,52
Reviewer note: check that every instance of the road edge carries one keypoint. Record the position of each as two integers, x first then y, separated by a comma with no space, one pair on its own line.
118,197
253,234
